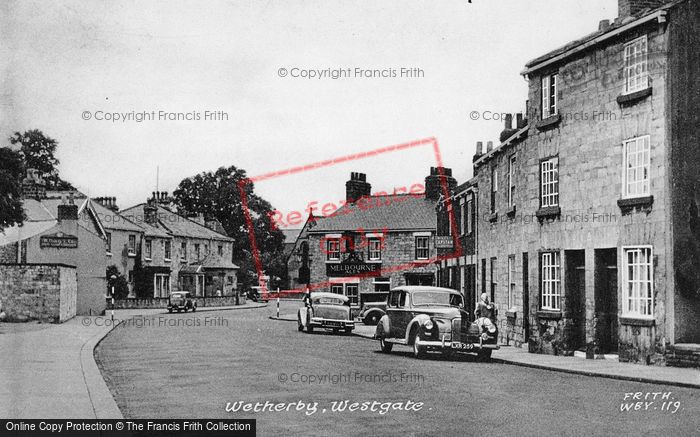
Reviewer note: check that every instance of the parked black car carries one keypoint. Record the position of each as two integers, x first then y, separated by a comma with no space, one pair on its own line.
181,301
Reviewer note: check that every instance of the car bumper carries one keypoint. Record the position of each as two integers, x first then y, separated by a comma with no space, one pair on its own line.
457,346
332,323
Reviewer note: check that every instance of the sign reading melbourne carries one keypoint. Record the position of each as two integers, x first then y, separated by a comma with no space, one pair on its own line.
353,265
59,241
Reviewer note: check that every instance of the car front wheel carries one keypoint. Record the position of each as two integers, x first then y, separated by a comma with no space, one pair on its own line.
300,326
418,349
386,346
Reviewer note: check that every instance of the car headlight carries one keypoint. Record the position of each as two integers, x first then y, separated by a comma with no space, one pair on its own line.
428,325
484,336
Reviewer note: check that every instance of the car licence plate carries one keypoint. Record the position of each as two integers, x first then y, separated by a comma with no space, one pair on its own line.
463,346
338,324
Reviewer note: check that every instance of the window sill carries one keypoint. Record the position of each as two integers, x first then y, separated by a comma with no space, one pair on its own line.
131,255
332,261
510,212
374,261
549,314
548,212
109,253
632,98
148,259
627,205
167,260
635,321
493,217
548,122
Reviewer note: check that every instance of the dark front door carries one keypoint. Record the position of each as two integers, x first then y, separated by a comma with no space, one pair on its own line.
526,297
576,296
606,301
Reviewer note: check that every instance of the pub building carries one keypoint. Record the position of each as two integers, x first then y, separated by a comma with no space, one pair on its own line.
375,243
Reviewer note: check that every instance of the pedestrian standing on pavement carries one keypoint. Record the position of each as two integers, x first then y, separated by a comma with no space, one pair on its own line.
484,308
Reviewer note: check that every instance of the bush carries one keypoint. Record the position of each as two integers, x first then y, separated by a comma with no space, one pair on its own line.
120,284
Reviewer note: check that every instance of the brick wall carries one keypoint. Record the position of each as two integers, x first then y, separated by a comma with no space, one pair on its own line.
38,292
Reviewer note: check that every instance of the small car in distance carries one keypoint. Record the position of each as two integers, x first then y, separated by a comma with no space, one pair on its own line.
371,312
327,311
432,318
181,301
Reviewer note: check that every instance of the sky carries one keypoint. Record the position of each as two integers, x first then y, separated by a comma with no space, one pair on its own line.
67,66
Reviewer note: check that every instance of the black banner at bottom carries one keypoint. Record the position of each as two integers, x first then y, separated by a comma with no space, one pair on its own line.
123,427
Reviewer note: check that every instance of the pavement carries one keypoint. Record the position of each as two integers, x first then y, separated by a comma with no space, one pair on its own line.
673,376
48,371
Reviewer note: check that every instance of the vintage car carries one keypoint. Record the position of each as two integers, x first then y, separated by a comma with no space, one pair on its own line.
181,301
371,312
325,310
433,319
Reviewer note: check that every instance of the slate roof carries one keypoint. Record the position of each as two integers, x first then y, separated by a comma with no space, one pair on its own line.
396,212
112,220
175,224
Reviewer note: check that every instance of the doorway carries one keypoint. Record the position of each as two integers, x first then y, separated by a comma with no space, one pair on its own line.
576,296
606,328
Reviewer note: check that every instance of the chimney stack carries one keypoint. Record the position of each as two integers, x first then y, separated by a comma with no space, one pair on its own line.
33,186
489,146
519,121
68,211
439,177
604,25
357,187
631,8
509,121
150,210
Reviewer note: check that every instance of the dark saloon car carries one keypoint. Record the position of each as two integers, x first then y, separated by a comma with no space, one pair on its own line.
327,311
433,319
181,301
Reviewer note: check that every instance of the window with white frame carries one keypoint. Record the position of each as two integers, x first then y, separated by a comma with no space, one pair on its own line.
166,250
551,281
374,249
148,249
636,68
637,164
511,281
549,180
197,252
462,217
470,213
337,288
422,247
638,282
511,181
352,292
549,95
494,188
333,249
183,251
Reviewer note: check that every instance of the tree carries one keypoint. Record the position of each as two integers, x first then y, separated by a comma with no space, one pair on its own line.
217,194
39,152
11,171
142,288
120,284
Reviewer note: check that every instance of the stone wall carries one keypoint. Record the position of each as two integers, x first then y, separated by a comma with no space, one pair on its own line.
202,302
45,292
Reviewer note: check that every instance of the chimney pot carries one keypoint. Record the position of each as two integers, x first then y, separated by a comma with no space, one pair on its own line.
489,146
604,25
479,147
519,121
509,121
